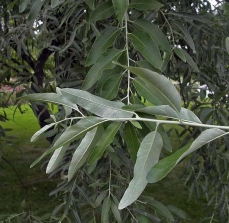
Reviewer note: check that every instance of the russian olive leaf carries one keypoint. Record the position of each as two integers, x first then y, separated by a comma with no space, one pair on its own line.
72,133
56,158
103,63
116,212
83,151
178,212
159,87
189,59
100,198
131,140
187,36
102,11
91,4
146,46
96,105
179,53
164,166
52,98
105,40
105,210
159,207
147,156
42,130
35,9
145,5
155,33
111,87
22,5
120,8
104,141
147,214
166,111
227,44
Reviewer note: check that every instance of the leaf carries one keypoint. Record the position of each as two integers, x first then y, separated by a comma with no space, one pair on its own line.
105,40
131,140
105,140
54,3
179,53
83,150
144,5
187,36
190,61
103,63
159,87
146,46
177,211
116,212
147,157
90,3
105,210
102,11
95,104
22,5
159,207
120,8
52,98
148,215
227,44
111,87
166,111
155,33
100,198
72,133
56,158
164,166
34,11
42,130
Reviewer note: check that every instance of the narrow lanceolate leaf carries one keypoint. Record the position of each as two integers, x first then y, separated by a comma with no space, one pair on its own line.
116,212
104,62
131,140
42,130
166,111
162,88
227,44
102,11
105,140
83,150
164,166
147,157
22,5
105,210
111,87
52,98
186,58
146,46
95,104
187,36
34,11
56,158
72,133
155,33
105,40
179,53
144,5
120,8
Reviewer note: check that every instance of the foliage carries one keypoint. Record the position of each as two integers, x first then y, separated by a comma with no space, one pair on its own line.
112,65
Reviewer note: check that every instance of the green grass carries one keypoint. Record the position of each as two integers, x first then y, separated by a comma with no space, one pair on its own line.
20,155
170,190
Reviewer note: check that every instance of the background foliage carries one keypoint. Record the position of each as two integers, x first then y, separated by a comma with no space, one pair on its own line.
73,45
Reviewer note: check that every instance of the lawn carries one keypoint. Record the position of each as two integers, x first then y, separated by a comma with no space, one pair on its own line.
35,193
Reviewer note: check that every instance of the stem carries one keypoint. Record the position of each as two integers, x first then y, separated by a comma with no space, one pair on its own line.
168,122
128,59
